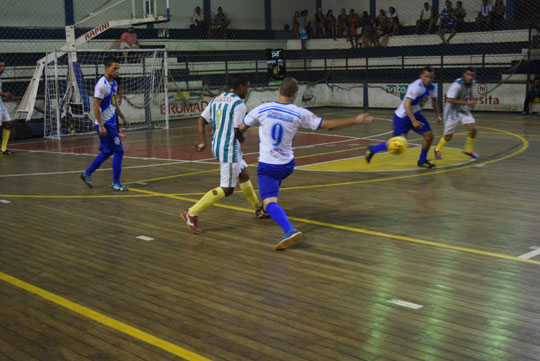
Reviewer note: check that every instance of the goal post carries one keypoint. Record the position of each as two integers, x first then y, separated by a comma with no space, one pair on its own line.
69,89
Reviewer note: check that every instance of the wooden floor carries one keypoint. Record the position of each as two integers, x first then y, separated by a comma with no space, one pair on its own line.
77,284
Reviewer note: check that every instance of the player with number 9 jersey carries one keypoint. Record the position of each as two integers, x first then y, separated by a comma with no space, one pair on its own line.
279,122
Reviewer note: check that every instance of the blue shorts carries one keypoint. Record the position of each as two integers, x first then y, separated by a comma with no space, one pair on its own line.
270,177
111,142
403,125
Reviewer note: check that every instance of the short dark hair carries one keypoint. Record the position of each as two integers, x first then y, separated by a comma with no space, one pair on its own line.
2,60
535,78
426,69
236,80
108,61
470,68
288,87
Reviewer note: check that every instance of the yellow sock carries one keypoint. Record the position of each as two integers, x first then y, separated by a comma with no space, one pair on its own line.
209,199
5,139
469,144
441,144
249,192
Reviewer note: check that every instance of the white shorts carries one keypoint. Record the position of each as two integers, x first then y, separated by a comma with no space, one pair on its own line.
450,123
4,116
230,173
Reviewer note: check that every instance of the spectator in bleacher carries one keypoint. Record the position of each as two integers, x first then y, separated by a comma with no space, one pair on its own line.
484,16
497,15
352,20
533,95
129,40
197,21
393,21
460,15
426,21
446,10
302,28
342,25
331,24
382,28
319,24
309,24
369,34
447,25
220,23
295,23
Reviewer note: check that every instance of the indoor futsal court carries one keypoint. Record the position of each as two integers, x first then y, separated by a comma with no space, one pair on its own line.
396,263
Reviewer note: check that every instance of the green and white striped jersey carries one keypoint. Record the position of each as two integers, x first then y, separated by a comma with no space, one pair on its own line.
459,91
225,112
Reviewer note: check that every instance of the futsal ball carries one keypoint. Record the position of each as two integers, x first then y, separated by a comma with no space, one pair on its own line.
397,145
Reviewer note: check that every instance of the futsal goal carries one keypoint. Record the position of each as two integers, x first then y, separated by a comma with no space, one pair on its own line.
69,89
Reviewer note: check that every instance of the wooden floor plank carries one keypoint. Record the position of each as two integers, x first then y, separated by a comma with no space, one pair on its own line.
226,295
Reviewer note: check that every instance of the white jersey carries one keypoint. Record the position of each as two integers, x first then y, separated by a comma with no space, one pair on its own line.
107,93
279,123
2,105
225,112
458,91
419,95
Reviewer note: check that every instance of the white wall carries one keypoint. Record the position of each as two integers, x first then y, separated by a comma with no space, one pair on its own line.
181,11
359,6
244,14
48,13
283,11
408,13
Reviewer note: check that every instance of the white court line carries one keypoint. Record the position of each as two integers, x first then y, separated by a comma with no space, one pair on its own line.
5,201
414,306
179,161
98,170
145,238
535,252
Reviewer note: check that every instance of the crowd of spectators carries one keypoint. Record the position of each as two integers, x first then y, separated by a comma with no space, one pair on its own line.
364,30
359,29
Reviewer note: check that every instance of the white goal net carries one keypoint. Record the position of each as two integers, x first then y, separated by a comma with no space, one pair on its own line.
71,78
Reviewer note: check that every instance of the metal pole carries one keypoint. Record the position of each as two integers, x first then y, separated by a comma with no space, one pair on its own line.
366,86
57,96
166,88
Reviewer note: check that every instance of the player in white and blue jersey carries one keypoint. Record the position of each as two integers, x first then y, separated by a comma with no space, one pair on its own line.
105,98
225,113
279,121
408,116
5,119
459,101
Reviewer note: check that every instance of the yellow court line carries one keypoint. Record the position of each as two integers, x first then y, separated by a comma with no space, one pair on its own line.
76,197
174,176
105,320
425,173
359,230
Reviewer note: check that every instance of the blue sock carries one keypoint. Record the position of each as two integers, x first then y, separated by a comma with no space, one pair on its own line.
117,166
423,155
98,161
278,215
379,147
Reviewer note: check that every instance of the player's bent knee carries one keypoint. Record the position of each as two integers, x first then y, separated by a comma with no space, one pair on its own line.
227,190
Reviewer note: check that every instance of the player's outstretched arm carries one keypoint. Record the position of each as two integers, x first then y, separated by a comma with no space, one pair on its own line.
201,131
336,124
